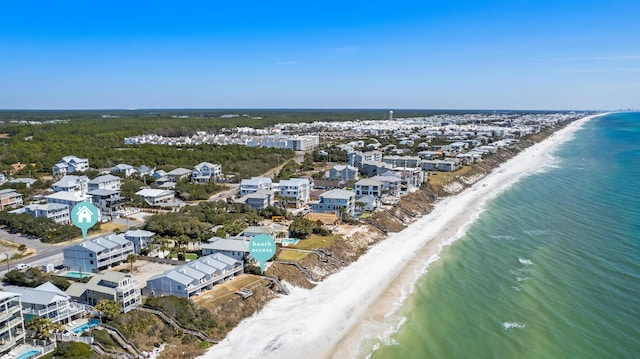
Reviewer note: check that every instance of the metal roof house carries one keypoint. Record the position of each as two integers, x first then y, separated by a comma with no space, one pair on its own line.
194,277
47,301
111,286
234,247
140,238
98,254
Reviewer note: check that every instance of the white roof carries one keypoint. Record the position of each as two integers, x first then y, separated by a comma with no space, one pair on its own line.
150,192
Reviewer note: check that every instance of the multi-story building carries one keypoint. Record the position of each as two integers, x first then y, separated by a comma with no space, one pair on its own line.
294,192
11,321
47,301
402,161
10,198
343,173
248,186
206,172
356,158
56,212
70,164
71,183
259,200
98,254
125,169
178,174
194,277
106,200
140,238
368,187
111,285
156,197
109,182
337,201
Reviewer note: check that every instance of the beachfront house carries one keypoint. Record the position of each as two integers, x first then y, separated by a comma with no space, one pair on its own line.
12,331
110,285
234,247
47,301
402,161
368,187
338,201
446,165
356,158
10,198
194,277
70,164
97,254
206,172
140,238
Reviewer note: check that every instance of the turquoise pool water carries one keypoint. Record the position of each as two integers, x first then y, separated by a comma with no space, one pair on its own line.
74,274
86,326
28,354
288,241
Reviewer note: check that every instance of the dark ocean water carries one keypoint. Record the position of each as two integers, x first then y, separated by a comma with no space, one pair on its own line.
551,268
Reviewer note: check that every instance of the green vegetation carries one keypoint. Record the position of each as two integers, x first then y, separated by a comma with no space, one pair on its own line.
43,327
34,277
291,255
46,229
72,350
110,309
316,241
184,312
302,228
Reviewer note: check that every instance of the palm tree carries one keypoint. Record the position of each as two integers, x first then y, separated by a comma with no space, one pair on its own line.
131,258
43,326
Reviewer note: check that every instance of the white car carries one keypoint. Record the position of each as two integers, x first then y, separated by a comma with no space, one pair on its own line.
22,266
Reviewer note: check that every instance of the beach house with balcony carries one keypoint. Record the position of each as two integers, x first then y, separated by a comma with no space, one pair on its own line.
194,277
70,164
368,187
248,186
10,198
71,183
56,212
110,285
337,201
12,331
259,200
206,172
109,182
47,301
294,192
97,254
106,200
343,173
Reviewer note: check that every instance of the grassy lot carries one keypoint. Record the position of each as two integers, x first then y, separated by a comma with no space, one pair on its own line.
225,292
110,227
190,256
292,255
315,241
442,178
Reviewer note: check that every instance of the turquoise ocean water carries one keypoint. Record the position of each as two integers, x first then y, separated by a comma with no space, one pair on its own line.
551,268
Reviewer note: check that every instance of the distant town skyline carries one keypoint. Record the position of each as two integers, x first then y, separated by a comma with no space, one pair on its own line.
521,55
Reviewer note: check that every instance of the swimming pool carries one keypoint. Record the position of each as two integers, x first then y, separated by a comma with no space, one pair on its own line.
28,354
287,241
74,274
86,326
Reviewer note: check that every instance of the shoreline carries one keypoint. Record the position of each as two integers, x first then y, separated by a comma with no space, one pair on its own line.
385,310
352,306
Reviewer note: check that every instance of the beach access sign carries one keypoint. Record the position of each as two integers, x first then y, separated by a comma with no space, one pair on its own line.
262,248
84,215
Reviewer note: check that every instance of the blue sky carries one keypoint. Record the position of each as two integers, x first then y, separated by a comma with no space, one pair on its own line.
430,54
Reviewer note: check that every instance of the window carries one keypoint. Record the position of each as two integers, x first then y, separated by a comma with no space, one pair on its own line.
90,262
90,255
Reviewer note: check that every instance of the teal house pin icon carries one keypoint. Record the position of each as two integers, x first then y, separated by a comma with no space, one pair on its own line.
84,215
262,247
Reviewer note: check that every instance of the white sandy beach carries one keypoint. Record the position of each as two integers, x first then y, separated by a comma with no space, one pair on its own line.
339,317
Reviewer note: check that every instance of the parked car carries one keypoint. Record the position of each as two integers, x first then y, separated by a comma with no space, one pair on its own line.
22,266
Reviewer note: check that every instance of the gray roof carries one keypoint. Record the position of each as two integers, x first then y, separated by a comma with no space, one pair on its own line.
338,193
138,233
179,172
105,178
40,295
368,182
105,242
197,269
227,244
8,190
